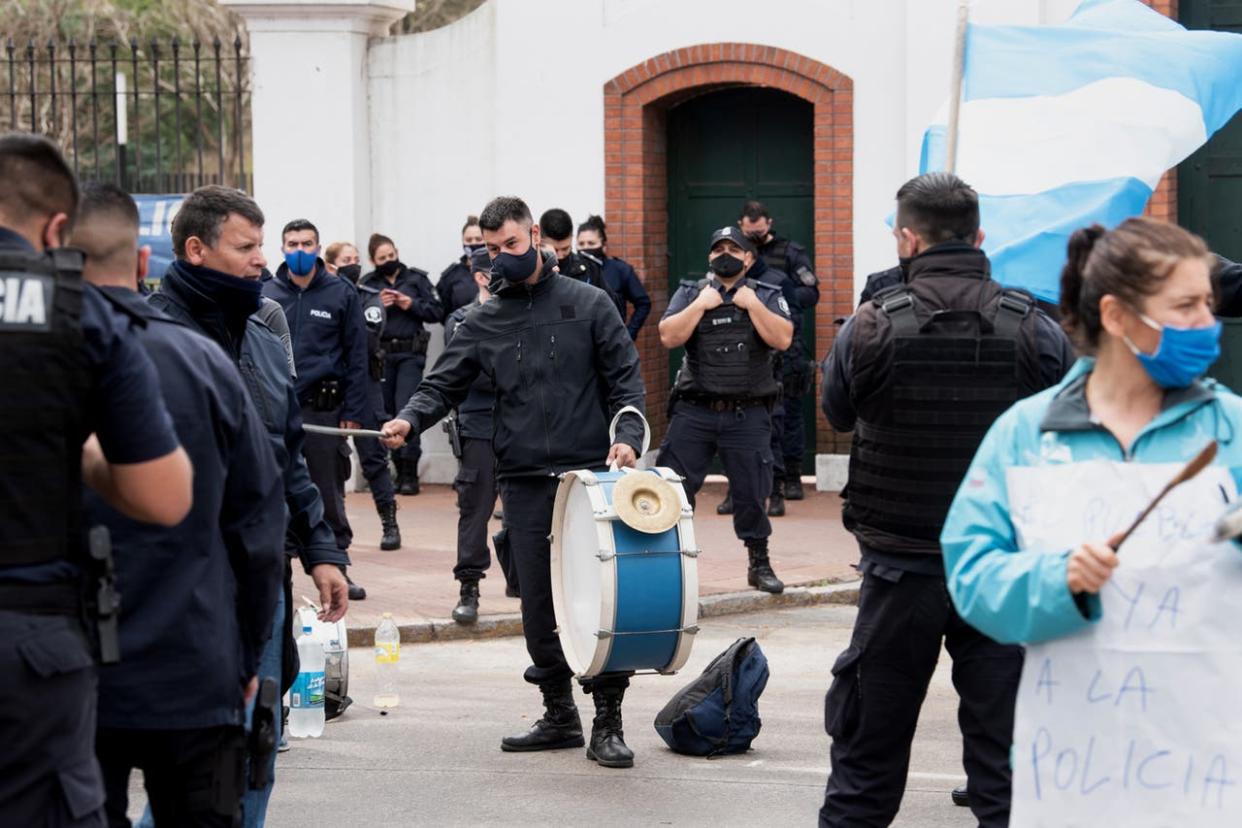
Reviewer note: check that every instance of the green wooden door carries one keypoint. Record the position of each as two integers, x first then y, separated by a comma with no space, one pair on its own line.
724,148
1209,183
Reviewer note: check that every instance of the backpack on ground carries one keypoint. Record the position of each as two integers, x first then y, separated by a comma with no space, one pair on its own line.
718,712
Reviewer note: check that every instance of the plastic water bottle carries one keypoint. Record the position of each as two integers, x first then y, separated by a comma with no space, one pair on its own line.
387,660
306,695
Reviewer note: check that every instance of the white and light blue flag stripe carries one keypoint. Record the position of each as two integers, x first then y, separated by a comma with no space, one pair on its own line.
1062,126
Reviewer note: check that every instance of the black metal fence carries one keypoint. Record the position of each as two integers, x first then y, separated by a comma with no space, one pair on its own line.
154,118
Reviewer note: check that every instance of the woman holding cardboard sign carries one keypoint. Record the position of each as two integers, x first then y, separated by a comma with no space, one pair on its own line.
1139,302
1125,709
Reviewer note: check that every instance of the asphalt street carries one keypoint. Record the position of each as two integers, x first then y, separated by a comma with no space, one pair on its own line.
436,761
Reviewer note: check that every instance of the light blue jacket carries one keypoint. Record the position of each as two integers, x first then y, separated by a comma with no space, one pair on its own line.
1022,596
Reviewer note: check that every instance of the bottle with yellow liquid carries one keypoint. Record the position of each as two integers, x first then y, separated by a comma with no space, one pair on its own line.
387,660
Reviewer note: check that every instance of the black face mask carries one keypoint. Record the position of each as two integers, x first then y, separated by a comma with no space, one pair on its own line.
471,249
390,268
597,252
563,264
513,268
726,265
350,272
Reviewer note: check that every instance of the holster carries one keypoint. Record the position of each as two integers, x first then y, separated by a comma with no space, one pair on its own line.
102,601
375,365
326,396
262,739
454,434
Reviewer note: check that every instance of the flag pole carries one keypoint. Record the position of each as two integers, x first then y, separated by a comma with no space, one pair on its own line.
955,92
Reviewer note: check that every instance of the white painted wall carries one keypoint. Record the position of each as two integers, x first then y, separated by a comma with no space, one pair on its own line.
407,135
510,99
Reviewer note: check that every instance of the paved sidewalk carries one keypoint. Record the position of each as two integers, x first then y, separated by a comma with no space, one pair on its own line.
415,583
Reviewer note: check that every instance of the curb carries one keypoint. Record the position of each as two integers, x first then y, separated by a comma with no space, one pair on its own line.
710,606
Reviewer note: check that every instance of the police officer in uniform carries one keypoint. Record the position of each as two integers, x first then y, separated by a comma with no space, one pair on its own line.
72,369
213,286
561,363
724,392
372,455
410,303
330,353
471,435
557,230
918,375
190,745
797,368
456,287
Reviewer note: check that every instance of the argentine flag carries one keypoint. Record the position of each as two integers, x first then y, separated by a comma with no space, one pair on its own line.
1062,126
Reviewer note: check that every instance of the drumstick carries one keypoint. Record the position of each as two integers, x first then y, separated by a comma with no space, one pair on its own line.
1201,461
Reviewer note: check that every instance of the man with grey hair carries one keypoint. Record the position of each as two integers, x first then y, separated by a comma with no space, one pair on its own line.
214,287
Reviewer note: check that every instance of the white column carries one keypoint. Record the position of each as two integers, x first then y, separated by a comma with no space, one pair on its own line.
311,133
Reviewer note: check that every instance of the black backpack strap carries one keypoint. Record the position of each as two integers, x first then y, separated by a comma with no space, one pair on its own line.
1015,306
898,306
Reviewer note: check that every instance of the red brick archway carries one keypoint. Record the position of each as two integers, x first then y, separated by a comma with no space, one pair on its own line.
636,104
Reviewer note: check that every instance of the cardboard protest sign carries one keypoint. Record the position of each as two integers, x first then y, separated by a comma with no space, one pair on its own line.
1137,720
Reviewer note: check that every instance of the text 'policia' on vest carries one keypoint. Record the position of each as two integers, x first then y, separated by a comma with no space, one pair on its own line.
43,422
725,358
936,361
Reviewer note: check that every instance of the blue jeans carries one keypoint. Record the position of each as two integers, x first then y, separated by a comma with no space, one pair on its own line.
254,803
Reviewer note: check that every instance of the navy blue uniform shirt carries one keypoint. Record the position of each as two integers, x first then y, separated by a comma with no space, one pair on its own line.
424,306
329,335
199,596
126,412
626,285
474,415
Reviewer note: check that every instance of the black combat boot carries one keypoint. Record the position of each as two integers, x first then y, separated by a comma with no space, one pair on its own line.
726,505
409,477
467,609
760,574
960,797
607,739
356,593
559,727
793,487
776,499
388,520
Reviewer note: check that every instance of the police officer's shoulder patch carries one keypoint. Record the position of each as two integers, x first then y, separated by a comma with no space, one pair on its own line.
783,305
26,301
373,315
806,276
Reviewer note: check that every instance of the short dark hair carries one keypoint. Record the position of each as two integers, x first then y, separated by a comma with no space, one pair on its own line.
595,223
556,224
111,206
938,207
37,179
299,224
502,209
206,209
754,210
471,221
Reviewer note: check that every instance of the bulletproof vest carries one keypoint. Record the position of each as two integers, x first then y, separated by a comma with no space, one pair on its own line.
951,359
46,379
777,256
726,358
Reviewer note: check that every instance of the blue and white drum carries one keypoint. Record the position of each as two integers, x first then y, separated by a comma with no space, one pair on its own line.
626,595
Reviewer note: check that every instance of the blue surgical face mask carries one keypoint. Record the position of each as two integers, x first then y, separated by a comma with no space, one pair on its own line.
513,268
1183,355
301,262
